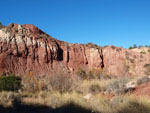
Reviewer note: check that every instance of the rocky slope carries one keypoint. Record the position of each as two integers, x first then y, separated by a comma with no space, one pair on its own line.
25,48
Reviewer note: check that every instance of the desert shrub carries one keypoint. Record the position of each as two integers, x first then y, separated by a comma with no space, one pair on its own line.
147,69
91,75
94,74
117,86
32,83
143,79
10,83
130,47
118,49
95,88
61,81
117,100
105,46
82,74
143,52
91,45
147,65
113,47
149,50
105,76
132,60
92,86
135,105
98,74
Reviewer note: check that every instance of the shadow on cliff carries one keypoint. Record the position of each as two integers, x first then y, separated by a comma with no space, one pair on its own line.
60,53
19,107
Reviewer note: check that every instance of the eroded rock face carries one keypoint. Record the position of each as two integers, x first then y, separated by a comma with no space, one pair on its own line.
25,48
120,61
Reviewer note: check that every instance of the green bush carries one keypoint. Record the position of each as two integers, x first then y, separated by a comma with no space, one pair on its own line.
10,83
130,47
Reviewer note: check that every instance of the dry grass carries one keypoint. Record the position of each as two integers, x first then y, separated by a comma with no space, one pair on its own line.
86,85
56,101
97,103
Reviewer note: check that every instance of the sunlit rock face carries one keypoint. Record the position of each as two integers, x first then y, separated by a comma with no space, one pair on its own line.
25,48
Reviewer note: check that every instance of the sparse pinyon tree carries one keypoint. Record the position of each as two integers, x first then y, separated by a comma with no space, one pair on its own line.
134,46
130,47
0,23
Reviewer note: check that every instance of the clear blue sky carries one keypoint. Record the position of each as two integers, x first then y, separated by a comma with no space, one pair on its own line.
104,22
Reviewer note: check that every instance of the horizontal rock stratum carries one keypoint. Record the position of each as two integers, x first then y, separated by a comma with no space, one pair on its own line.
25,48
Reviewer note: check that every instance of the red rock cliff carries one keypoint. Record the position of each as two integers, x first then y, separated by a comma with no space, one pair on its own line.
25,48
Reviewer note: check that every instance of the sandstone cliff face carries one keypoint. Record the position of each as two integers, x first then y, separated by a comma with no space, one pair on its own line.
120,61
25,48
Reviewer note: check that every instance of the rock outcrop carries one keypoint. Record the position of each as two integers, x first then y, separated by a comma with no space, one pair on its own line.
25,48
